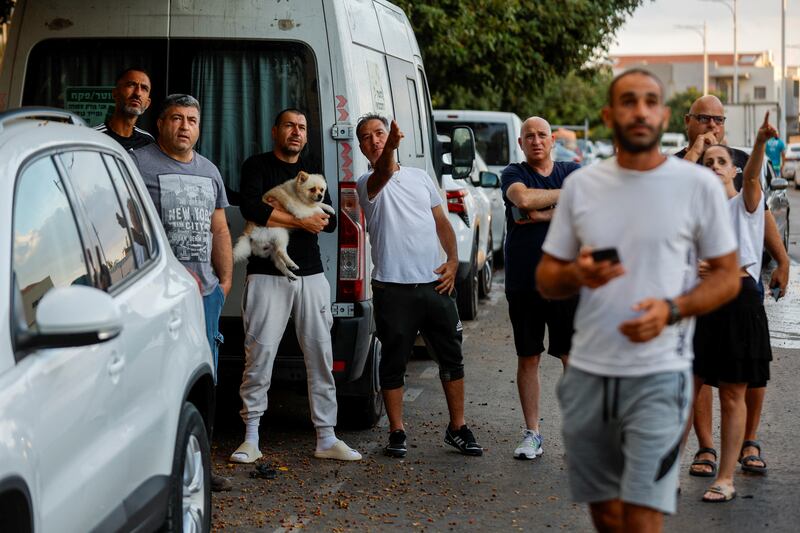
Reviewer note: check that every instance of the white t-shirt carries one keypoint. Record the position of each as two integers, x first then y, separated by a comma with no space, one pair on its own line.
749,231
402,231
660,221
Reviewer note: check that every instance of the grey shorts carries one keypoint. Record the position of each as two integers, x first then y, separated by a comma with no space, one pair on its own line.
622,436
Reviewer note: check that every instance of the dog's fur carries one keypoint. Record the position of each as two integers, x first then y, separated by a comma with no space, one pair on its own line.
300,197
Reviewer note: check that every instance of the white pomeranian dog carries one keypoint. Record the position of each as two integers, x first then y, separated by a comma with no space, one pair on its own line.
300,197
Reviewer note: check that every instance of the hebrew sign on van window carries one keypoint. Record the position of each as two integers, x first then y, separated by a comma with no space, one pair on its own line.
92,104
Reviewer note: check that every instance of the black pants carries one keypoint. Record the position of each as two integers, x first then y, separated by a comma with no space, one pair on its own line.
402,310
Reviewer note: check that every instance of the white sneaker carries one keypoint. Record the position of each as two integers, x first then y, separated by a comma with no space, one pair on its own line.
530,447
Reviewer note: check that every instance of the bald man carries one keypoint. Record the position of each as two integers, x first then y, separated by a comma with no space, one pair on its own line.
530,192
705,125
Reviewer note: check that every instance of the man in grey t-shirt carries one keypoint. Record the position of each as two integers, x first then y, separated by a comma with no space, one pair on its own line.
190,198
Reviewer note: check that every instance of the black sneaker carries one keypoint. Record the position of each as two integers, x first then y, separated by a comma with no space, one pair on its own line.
397,444
464,440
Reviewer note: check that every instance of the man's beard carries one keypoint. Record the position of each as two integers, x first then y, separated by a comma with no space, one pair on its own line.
133,111
633,146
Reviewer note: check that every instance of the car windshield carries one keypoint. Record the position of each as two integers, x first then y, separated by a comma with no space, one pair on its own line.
491,139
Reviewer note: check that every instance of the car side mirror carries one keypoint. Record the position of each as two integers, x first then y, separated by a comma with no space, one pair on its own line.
490,180
67,317
778,184
462,152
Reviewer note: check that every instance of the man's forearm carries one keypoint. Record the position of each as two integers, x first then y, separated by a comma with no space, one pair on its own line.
382,173
222,255
557,279
447,238
533,199
282,219
720,286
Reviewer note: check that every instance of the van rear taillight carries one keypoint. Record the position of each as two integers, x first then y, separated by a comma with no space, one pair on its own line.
351,246
457,205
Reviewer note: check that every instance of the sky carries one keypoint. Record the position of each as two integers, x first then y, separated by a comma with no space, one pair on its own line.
651,28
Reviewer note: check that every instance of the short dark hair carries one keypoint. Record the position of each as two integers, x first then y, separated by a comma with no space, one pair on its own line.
630,72
132,69
371,116
727,149
288,110
179,100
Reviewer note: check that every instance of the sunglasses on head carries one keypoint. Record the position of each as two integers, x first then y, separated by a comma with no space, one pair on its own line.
706,119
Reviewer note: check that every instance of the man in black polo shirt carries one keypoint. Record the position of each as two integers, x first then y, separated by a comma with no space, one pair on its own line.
270,297
705,125
132,98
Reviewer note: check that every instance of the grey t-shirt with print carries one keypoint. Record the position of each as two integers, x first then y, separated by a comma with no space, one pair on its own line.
185,196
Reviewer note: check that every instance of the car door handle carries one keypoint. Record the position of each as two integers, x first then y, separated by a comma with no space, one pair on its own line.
174,323
115,366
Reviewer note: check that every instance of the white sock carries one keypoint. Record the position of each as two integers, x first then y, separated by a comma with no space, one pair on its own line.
251,431
326,438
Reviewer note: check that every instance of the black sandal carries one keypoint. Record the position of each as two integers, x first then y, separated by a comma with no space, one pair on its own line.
753,469
704,462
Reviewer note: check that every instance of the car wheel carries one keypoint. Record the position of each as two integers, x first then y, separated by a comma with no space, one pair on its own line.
364,409
189,505
487,272
467,290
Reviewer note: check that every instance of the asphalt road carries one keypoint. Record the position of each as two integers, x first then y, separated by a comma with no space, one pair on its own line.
436,489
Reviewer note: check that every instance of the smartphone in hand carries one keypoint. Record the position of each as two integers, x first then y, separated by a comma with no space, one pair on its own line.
605,254
776,292
518,214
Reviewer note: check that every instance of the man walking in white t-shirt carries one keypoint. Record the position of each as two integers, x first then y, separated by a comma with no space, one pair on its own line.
625,396
412,290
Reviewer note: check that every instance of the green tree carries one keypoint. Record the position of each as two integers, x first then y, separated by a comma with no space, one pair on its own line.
499,54
571,99
679,104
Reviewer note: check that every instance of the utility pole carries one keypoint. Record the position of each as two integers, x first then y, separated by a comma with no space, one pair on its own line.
701,31
783,96
732,6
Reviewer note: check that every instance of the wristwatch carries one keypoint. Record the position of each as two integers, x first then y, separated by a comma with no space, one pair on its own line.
674,312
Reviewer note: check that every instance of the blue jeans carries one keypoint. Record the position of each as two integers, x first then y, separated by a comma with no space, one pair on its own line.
212,307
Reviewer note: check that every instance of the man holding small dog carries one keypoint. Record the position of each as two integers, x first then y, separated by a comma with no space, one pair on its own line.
412,289
270,297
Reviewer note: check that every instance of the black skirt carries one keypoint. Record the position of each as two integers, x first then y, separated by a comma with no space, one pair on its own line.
731,344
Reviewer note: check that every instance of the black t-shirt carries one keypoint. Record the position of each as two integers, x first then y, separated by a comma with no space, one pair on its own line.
523,247
261,173
138,139
739,161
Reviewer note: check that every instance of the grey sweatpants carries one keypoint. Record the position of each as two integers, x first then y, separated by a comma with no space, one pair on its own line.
267,303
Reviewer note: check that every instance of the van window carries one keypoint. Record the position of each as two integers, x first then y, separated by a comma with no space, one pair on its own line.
491,139
241,86
412,96
79,74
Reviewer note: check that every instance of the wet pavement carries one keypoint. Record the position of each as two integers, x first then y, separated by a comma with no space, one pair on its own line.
436,489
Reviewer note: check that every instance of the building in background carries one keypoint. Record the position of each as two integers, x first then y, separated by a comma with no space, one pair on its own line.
759,78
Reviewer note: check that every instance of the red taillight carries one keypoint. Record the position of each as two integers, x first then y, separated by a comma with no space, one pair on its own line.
338,366
455,200
351,245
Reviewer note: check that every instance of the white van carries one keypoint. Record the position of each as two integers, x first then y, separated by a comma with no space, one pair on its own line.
496,134
245,61
496,140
